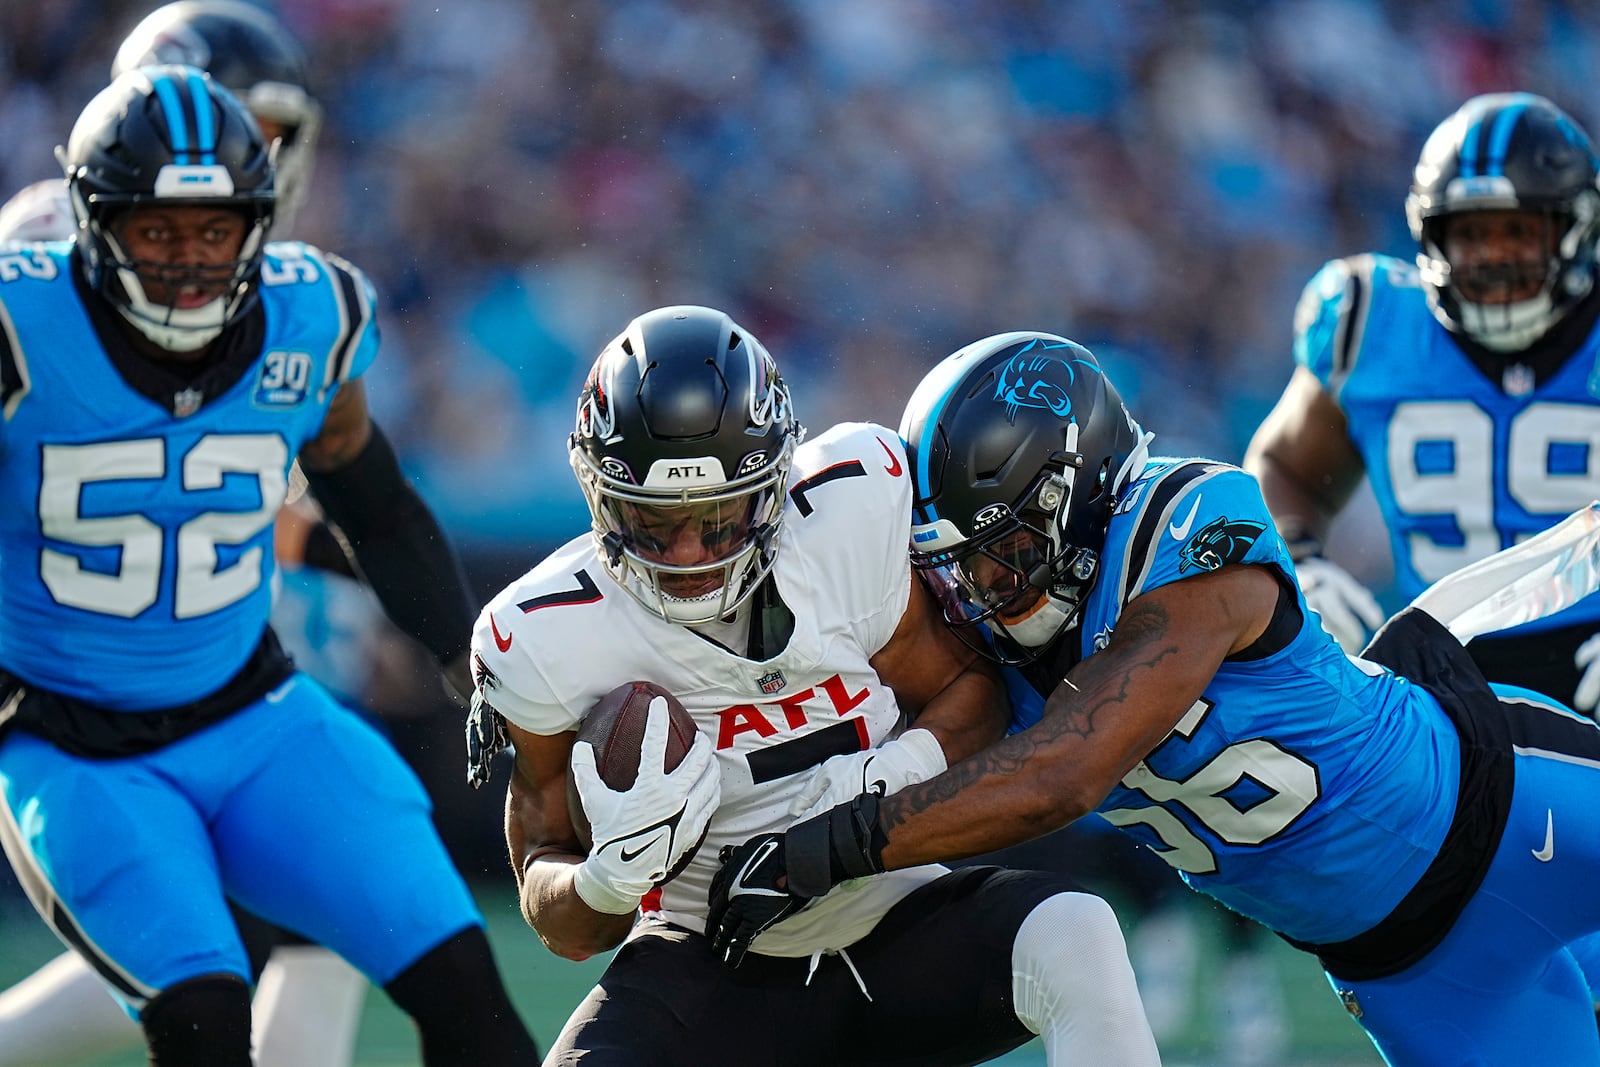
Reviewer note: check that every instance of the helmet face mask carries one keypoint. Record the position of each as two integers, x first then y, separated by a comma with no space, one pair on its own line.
249,51
683,447
1019,447
1506,159
169,138
1006,578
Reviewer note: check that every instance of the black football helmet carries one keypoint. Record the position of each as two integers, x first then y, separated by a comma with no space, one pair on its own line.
683,445
1508,151
168,135
1018,446
248,50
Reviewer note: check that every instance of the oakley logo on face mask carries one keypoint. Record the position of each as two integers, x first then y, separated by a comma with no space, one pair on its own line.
990,515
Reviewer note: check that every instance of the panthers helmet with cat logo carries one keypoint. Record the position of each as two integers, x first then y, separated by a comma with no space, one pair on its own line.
1019,446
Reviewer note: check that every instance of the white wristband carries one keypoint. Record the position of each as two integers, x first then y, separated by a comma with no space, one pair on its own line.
597,891
914,756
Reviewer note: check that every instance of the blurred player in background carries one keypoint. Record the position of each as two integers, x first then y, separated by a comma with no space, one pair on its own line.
309,1000
1429,838
765,583
1463,386
248,50
156,730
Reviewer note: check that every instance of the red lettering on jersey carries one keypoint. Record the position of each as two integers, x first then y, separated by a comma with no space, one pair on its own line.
741,719
793,714
843,700
763,719
894,468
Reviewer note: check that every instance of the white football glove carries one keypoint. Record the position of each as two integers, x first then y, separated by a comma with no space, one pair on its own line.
1587,659
914,756
641,833
1348,609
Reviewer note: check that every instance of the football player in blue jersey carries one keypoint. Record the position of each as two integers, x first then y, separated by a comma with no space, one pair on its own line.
309,1000
1463,386
1429,838
160,754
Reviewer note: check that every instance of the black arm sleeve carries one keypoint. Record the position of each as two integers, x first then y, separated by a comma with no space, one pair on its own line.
325,551
400,549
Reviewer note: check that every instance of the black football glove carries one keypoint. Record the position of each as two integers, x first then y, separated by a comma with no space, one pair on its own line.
486,738
749,893
772,876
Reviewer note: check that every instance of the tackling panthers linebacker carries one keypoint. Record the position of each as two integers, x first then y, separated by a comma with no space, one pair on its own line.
1427,837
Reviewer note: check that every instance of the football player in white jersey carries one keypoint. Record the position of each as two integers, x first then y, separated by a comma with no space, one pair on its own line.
766,584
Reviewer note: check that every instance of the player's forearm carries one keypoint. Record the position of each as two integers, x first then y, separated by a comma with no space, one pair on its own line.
551,905
1301,510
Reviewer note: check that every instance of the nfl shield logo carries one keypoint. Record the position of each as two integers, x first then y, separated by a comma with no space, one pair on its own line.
1517,380
187,402
771,683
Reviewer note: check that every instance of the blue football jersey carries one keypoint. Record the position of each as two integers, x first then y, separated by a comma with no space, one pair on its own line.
1261,795
136,532
1462,465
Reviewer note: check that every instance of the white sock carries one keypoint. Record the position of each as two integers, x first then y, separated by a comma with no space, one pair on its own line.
63,1014
306,1009
1073,986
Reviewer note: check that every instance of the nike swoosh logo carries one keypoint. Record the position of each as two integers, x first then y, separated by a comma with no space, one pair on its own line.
1546,854
629,857
894,468
502,643
740,889
1181,532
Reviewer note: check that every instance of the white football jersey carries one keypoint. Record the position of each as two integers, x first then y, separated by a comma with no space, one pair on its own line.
565,634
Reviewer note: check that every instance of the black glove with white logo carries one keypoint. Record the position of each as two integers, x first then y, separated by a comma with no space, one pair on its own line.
772,876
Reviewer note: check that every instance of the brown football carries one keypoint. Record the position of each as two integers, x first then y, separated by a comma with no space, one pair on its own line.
615,727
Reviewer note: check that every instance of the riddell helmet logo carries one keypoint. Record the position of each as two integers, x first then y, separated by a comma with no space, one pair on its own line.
990,515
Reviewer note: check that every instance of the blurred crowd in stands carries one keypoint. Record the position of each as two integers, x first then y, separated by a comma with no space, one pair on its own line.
866,184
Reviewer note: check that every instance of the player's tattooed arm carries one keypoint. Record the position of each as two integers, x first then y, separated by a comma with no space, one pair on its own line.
1105,716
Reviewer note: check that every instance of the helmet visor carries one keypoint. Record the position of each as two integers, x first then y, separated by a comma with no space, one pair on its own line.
686,546
999,577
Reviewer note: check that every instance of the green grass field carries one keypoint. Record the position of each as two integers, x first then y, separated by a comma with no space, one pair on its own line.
545,989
